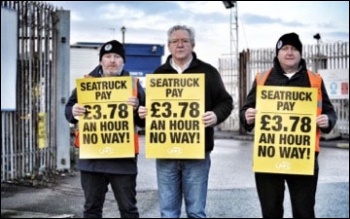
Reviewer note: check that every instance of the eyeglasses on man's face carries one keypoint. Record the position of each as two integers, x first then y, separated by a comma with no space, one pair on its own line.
177,41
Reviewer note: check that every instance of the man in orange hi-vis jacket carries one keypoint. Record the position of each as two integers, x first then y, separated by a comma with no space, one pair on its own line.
289,70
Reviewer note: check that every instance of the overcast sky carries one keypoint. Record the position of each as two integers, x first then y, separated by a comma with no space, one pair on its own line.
260,24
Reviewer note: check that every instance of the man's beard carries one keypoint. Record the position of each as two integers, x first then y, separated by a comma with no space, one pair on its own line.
116,72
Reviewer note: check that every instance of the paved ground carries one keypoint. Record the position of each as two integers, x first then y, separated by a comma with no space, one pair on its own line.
231,192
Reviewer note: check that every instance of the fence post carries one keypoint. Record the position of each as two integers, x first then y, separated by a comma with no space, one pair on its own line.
61,133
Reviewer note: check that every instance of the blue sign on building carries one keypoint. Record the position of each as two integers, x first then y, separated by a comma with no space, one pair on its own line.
142,59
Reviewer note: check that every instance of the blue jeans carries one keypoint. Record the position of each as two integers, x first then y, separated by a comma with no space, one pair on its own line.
95,186
186,178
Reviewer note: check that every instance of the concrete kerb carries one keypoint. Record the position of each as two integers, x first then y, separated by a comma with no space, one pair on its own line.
28,214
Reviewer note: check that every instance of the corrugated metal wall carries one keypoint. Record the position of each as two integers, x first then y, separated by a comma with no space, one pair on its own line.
20,155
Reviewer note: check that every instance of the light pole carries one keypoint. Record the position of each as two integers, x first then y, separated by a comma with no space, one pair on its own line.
123,29
232,5
317,37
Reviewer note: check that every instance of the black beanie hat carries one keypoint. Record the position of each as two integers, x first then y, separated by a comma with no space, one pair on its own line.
289,39
112,47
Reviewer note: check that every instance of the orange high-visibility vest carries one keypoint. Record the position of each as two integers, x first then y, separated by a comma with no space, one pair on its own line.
136,136
315,81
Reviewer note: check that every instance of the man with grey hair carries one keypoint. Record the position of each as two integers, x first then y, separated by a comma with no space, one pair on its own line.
188,178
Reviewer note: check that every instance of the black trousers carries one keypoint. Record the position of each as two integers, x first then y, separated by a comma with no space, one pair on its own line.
95,186
302,190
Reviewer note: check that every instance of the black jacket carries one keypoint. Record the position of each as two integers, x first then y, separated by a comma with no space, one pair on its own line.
300,79
217,99
114,166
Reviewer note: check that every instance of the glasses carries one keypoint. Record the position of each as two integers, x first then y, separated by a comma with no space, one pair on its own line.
177,41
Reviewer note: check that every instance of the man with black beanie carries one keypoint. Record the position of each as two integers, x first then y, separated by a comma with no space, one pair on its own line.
120,173
289,69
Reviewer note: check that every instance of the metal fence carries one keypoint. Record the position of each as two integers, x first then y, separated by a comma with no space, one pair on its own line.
20,155
229,74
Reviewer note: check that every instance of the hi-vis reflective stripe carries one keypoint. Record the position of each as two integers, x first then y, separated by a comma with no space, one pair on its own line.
134,86
134,93
315,81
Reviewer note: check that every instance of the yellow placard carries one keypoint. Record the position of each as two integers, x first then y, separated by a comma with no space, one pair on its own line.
42,134
107,129
285,130
174,127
